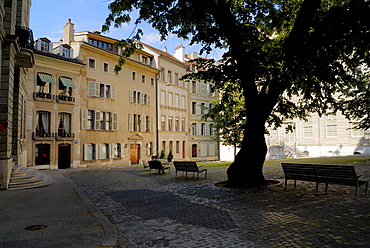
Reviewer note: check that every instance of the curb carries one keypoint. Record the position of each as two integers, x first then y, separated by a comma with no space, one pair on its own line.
110,233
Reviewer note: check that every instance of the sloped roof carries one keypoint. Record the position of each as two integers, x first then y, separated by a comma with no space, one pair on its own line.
164,54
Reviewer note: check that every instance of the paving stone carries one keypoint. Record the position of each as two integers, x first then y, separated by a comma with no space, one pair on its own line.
169,211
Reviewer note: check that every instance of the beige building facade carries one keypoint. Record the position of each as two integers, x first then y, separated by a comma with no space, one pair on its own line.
53,110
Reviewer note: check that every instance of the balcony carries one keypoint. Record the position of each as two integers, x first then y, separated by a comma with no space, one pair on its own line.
24,58
43,136
62,135
65,99
41,96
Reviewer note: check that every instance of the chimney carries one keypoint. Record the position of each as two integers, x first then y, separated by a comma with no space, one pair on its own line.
180,53
165,49
68,32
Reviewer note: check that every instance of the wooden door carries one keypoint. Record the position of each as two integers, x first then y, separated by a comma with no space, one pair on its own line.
134,153
64,156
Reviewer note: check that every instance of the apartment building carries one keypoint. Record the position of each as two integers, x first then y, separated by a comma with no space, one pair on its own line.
203,144
172,111
16,56
117,110
53,109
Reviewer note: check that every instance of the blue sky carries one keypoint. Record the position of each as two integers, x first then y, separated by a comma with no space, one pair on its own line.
48,18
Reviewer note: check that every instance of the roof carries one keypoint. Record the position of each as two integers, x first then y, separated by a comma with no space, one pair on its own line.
52,55
164,54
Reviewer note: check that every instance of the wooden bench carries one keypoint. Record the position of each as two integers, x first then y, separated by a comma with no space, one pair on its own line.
211,159
145,164
318,173
189,166
157,165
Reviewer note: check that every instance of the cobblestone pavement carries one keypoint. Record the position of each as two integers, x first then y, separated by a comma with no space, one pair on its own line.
154,210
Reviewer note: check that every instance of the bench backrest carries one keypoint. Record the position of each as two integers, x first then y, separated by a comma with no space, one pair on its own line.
179,165
339,174
299,171
154,164
191,166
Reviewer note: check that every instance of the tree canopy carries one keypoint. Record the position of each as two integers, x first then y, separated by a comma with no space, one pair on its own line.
288,58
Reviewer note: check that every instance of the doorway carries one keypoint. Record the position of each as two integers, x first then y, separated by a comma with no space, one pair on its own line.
134,153
194,151
42,154
64,156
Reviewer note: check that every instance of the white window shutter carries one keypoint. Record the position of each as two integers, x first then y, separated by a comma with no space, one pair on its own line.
97,120
85,152
131,96
130,122
151,126
110,146
142,98
98,151
122,150
148,99
212,149
71,53
142,118
207,128
113,92
140,58
91,88
114,121
83,123
203,149
198,108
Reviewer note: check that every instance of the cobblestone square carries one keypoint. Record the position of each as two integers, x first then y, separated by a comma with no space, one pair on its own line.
155,210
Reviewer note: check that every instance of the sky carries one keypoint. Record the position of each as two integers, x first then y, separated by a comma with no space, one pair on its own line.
48,18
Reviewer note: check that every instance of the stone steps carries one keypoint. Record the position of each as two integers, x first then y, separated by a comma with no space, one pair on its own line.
27,178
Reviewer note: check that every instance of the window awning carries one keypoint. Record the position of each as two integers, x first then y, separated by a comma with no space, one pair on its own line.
67,82
46,78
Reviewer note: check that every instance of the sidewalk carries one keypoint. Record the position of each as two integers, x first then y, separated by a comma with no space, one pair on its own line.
61,214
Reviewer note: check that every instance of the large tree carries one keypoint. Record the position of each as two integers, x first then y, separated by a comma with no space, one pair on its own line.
289,58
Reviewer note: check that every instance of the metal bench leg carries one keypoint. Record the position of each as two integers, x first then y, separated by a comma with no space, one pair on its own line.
366,189
285,184
326,188
295,183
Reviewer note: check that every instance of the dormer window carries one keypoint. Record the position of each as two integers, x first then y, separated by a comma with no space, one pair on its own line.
64,50
43,44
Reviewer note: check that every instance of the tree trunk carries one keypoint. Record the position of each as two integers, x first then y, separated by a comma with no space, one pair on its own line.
246,170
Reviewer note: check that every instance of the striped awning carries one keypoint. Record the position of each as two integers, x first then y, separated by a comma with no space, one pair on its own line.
46,78
67,82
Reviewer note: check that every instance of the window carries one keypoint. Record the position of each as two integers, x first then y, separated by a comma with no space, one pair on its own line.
91,63
105,67
193,87
356,132
64,127
177,124
44,82
177,146
143,79
169,75
152,81
183,125
183,102
164,145
137,122
163,75
163,97
163,123
101,90
203,129
43,123
176,78
308,128
177,101
331,125
117,150
133,76
150,148
90,119
66,52
90,152
44,46
105,151
211,129
194,150
194,129
107,91
170,99
194,108
202,108
65,86
169,123
170,146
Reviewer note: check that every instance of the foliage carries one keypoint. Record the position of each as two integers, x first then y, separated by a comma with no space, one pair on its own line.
163,155
170,156
287,58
